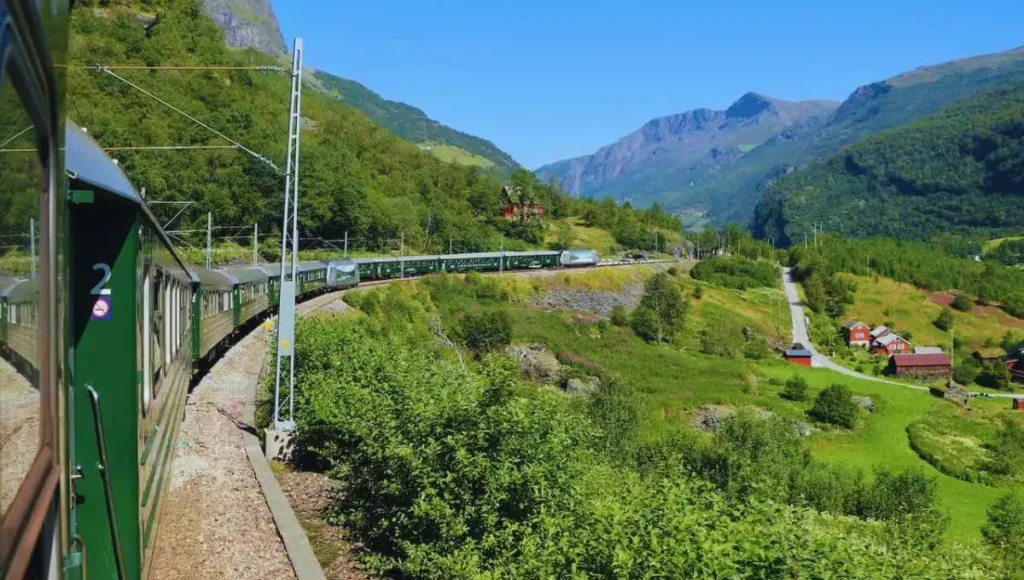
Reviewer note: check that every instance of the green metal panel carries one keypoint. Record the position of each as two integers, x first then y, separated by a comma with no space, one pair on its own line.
105,357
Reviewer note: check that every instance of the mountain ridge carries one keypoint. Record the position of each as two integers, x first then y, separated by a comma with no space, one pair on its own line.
693,138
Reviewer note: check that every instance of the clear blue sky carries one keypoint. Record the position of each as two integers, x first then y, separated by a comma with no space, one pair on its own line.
550,79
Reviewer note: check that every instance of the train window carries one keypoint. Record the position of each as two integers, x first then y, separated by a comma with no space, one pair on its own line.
167,316
147,346
21,403
156,330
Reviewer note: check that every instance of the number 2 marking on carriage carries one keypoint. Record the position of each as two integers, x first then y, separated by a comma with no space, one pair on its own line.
98,289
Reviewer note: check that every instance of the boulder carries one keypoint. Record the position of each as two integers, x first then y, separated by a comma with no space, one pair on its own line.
803,429
957,394
709,417
536,362
580,387
865,403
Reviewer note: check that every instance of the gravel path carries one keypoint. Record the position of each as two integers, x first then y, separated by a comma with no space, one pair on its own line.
19,431
216,523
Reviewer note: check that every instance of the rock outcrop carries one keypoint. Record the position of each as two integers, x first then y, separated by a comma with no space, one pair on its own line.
248,24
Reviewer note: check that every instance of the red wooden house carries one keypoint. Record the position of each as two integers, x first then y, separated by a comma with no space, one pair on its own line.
798,354
519,204
920,365
857,333
890,343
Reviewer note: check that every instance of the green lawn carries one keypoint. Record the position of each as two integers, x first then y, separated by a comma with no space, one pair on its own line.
456,155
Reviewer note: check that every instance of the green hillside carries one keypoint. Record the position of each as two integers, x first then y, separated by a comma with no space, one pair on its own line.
412,124
957,171
730,192
356,176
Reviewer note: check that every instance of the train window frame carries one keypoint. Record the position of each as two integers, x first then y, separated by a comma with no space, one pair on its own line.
147,355
22,520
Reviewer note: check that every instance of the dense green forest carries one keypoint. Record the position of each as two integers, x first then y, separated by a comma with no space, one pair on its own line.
356,177
958,171
914,262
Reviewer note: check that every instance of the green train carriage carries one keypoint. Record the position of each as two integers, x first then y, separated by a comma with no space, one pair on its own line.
250,293
131,332
213,312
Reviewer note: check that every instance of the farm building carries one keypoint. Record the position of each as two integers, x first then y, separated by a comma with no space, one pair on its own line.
920,365
857,333
988,354
1018,404
928,350
519,204
799,354
890,343
879,332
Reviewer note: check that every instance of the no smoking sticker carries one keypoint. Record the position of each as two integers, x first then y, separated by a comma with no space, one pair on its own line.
101,308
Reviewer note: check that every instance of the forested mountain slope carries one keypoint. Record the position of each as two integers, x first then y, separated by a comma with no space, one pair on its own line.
252,24
687,146
356,176
411,123
731,193
961,170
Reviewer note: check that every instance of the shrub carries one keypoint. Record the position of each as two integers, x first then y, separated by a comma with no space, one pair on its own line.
967,371
736,272
673,271
835,406
963,303
698,291
908,500
1008,450
1004,531
486,332
995,375
757,348
662,310
945,320
620,315
796,389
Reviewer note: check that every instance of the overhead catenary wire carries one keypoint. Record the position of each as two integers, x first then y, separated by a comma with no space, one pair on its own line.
240,146
257,68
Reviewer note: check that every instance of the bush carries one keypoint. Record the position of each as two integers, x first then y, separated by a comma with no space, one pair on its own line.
908,500
963,303
662,310
967,371
796,389
1004,531
486,332
995,375
736,272
944,320
673,271
698,291
757,348
1008,450
620,315
835,406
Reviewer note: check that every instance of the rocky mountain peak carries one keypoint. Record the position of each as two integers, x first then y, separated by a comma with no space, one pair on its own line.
749,105
248,24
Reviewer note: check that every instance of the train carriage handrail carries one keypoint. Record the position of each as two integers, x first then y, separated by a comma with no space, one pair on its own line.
108,493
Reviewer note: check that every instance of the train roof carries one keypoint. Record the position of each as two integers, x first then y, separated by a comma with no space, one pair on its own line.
211,279
88,163
245,275
467,256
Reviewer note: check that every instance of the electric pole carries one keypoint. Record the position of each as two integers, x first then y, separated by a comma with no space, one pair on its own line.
289,261
346,243
255,243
